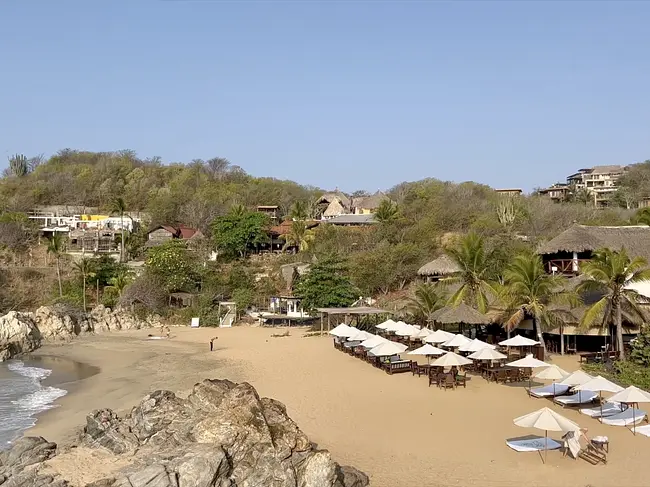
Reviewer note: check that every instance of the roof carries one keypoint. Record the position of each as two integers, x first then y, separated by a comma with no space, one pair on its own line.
607,169
370,202
509,190
267,207
460,314
285,227
441,266
582,238
335,208
352,220
359,310
182,231
335,195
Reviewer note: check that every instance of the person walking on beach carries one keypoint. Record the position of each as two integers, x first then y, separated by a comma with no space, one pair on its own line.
212,343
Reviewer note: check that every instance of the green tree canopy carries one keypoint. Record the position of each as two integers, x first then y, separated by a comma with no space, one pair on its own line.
172,264
238,231
327,284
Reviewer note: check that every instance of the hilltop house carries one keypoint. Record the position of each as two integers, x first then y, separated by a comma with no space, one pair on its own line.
337,204
165,233
367,205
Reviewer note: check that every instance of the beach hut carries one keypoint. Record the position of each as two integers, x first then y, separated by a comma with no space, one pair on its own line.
439,268
548,420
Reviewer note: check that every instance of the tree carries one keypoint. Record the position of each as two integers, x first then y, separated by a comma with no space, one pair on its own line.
642,216
56,247
299,236
530,292
476,277
172,265
85,269
326,284
119,206
386,212
122,279
427,300
238,231
611,273
506,211
300,210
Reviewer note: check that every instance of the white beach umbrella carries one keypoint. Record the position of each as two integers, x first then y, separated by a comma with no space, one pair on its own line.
360,336
475,345
347,333
439,336
387,349
373,342
422,333
487,354
548,420
385,324
518,341
528,362
427,350
451,359
633,396
552,372
457,341
406,330
337,330
599,384
395,325
576,378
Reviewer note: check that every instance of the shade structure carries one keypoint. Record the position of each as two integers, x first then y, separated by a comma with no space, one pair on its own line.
351,330
406,330
385,324
337,330
451,359
439,336
387,349
373,342
633,396
548,420
422,333
576,378
396,325
487,354
427,349
475,345
599,384
518,341
552,372
360,336
528,362
457,341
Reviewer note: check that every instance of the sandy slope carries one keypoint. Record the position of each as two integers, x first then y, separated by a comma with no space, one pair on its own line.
395,428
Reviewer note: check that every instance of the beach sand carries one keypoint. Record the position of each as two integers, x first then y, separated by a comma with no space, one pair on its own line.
395,428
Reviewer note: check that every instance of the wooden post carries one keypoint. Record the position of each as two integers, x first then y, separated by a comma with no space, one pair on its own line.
561,339
328,323
321,324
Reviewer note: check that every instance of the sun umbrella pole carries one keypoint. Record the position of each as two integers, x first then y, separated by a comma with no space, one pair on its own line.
545,445
601,406
633,420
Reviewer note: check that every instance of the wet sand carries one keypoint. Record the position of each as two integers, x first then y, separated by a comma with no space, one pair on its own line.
395,428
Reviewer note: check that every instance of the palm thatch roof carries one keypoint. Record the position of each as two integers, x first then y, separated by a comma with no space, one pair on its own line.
443,265
371,202
334,196
582,238
461,314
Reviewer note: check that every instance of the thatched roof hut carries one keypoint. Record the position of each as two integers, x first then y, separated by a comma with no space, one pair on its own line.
461,314
583,238
442,266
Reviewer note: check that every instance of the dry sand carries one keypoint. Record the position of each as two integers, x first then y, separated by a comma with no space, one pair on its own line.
395,428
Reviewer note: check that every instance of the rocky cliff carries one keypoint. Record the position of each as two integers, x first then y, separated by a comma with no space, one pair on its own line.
24,332
222,435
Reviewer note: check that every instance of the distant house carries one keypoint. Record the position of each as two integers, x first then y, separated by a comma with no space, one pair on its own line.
333,204
557,192
564,253
272,211
165,233
443,266
367,205
509,191
276,243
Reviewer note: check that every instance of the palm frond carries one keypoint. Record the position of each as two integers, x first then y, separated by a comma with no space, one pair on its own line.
595,313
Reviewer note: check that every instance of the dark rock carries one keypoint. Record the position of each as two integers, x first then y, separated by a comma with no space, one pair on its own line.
104,428
351,477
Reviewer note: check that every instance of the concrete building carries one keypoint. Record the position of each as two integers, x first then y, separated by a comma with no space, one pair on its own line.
599,181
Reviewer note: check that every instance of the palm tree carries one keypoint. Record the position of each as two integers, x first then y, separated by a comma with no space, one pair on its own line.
427,300
299,210
386,212
530,291
123,278
643,216
237,210
84,268
475,278
119,206
299,236
56,247
611,273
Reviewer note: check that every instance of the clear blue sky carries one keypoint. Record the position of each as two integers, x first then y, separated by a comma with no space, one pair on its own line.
350,94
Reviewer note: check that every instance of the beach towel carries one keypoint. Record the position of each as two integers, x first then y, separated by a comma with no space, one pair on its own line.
643,430
572,443
625,418
609,409
532,444
549,391
582,397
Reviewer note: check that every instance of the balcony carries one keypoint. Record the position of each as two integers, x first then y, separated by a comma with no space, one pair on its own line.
564,266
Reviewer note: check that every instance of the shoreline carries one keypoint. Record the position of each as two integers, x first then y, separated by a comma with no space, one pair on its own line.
394,428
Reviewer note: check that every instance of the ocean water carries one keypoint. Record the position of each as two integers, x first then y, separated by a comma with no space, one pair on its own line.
22,396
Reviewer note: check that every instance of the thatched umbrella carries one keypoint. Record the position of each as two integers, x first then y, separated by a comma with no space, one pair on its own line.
442,266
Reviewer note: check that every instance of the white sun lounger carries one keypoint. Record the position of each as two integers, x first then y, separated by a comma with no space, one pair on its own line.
532,444
625,418
549,391
582,397
643,430
609,409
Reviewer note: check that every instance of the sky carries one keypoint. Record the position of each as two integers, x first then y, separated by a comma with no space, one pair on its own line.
347,94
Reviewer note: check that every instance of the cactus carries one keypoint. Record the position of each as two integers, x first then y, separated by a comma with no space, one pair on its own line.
506,212
18,165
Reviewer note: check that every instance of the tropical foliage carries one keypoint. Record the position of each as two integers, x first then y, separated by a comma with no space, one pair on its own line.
299,237
426,301
172,265
240,230
327,284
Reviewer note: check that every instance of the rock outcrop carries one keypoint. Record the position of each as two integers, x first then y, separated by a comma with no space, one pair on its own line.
222,435
24,332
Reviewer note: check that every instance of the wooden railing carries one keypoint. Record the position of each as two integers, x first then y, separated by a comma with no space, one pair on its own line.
564,266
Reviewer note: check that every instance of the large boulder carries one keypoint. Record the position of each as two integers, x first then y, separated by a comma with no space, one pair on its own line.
18,334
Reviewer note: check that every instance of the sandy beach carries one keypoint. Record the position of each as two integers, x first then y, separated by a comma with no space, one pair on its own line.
395,428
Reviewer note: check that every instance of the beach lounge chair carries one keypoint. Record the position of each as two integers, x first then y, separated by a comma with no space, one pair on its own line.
643,430
576,399
594,452
533,444
627,417
609,409
549,391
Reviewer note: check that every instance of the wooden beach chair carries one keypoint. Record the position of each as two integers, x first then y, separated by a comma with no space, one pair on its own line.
461,380
448,382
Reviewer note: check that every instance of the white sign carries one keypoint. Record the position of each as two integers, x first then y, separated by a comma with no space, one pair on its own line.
195,323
